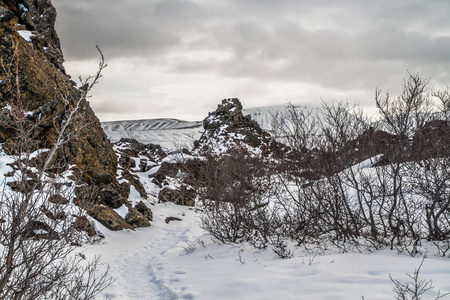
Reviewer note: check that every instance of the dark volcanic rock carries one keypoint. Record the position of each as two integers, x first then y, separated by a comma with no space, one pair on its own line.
143,209
58,199
227,128
136,219
135,156
44,87
105,215
228,123
190,167
82,224
182,195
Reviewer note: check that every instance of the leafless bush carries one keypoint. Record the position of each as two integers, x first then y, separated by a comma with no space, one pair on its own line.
395,199
236,196
414,289
347,181
37,237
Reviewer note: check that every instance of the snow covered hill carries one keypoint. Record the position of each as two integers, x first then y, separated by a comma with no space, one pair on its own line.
173,133
169,133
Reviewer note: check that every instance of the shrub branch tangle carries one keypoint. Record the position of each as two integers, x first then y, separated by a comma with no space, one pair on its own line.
38,239
348,180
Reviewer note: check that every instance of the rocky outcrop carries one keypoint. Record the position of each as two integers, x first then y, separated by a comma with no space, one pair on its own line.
147,154
105,215
432,140
180,195
191,168
35,80
227,128
144,210
134,157
136,219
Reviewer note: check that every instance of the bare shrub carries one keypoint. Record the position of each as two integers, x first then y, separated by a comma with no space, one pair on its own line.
414,289
347,181
37,237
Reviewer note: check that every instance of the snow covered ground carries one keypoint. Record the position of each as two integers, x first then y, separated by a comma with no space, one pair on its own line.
179,261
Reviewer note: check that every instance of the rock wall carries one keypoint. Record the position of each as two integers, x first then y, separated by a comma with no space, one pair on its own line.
32,73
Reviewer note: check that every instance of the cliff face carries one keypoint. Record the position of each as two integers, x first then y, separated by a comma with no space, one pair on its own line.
32,75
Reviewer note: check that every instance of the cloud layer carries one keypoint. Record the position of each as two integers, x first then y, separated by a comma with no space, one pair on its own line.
178,58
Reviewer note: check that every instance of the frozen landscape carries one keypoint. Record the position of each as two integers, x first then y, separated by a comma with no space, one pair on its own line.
180,260
272,202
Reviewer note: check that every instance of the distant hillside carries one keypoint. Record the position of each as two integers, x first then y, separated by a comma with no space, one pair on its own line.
173,133
169,133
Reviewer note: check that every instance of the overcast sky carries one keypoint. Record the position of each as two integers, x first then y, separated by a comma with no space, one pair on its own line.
179,58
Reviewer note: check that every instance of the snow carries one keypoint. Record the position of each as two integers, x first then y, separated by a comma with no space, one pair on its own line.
122,211
27,35
23,8
180,261
173,133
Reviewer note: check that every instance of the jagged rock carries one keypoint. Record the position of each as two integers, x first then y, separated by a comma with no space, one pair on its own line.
105,215
190,167
144,210
39,230
58,199
131,151
111,196
43,87
184,195
87,193
136,219
60,215
134,181
131,148
82,224
124,189
227,128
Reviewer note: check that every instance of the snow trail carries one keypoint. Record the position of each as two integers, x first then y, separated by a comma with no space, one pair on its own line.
132,256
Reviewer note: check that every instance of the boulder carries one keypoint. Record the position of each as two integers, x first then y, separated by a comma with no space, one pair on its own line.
58,199
105,215
144,210
183,195
82,224
111,196
136,219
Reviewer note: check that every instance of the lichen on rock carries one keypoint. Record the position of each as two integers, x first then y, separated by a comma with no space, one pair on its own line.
34,77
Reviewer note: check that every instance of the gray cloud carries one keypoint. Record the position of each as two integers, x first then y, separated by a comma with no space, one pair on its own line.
327,47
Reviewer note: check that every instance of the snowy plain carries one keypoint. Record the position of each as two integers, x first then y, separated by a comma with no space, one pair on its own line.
179,260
